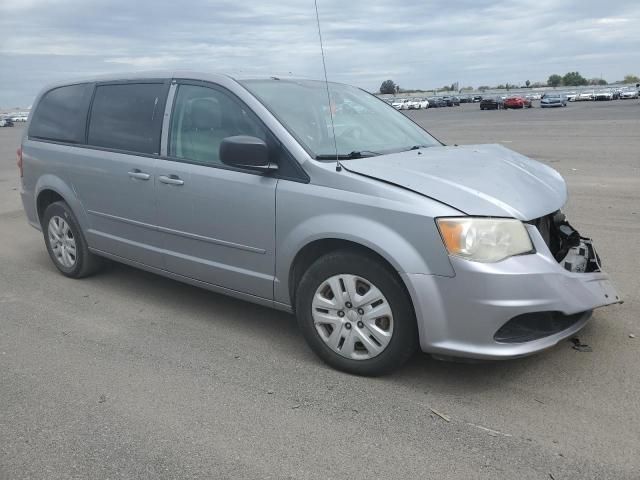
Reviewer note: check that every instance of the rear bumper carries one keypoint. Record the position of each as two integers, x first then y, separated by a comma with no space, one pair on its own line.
29,204
460,315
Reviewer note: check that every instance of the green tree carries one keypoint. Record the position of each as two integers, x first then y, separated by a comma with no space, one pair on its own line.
527,83
574,79
631,79
482,88
388,87
554,80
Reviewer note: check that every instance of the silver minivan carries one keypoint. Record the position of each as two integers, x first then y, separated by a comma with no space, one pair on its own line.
313,198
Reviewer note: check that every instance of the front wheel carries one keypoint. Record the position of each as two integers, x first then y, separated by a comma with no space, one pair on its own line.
356,315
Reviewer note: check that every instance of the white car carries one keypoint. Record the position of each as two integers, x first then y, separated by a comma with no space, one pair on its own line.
585,96
401,104
571,96
628,94
534,96
19,118
418,103
603,95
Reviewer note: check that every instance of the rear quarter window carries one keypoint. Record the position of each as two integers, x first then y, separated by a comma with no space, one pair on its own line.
128,117
61,114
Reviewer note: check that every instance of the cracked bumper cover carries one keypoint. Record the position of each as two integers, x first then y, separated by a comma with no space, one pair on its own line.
459,316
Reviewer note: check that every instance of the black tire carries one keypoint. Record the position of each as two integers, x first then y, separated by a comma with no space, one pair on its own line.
86,263
404,341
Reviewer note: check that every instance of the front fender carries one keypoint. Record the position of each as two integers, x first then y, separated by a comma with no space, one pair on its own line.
408,241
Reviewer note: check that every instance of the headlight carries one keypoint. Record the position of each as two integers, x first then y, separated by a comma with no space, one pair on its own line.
484,239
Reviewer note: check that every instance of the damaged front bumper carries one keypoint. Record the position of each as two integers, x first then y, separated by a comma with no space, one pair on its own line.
512,308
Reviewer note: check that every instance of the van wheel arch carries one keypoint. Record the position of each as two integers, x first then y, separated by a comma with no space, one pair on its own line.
45,198
318,248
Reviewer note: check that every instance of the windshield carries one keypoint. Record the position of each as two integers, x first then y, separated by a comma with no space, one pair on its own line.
363,124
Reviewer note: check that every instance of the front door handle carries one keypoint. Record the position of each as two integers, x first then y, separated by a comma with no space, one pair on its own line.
171,179
137,174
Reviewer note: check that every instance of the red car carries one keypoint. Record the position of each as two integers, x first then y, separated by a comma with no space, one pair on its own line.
517,102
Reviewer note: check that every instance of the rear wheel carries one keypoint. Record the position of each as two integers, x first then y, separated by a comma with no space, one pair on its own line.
66,244
355,314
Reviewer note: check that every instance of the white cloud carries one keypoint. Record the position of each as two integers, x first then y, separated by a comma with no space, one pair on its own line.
417,43
161,61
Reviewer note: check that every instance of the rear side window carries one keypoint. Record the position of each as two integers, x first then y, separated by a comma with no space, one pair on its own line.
61,114
128,117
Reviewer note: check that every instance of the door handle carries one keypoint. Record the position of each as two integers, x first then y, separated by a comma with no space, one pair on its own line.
171,180
135,173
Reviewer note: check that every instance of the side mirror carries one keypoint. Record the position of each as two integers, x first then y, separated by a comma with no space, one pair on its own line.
243,151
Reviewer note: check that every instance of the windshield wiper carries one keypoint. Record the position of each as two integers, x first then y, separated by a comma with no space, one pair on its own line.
414,147
347,156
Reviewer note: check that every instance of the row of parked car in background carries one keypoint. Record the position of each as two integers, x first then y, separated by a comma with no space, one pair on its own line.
516,101
11,120
499,102
503,103
603,94
417,103
557,99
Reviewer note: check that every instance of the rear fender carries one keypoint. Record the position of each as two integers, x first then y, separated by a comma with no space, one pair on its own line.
66,191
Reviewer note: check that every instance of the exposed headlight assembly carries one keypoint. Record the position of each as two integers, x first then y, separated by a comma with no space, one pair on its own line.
484,239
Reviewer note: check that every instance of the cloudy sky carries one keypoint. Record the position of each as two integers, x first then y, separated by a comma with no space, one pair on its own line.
417,43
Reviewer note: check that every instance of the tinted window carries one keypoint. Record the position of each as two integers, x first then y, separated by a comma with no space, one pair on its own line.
202,118
61,114
128,117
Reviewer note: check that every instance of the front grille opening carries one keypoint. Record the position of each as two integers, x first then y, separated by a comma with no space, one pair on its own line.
533,326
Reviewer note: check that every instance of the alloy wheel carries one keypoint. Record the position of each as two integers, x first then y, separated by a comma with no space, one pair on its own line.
62,242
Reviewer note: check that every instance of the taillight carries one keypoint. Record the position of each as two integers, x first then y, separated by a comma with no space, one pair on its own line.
19,161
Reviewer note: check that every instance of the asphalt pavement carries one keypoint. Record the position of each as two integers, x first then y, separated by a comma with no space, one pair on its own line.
130,375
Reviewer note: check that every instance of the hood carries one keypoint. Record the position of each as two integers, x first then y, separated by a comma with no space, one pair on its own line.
484,180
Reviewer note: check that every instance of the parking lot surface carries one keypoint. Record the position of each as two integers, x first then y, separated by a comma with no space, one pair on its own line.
129,375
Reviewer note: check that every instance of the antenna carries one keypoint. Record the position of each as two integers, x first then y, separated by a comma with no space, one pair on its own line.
326,82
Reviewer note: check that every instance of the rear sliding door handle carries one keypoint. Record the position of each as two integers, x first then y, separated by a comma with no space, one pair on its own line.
137,174
171,180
